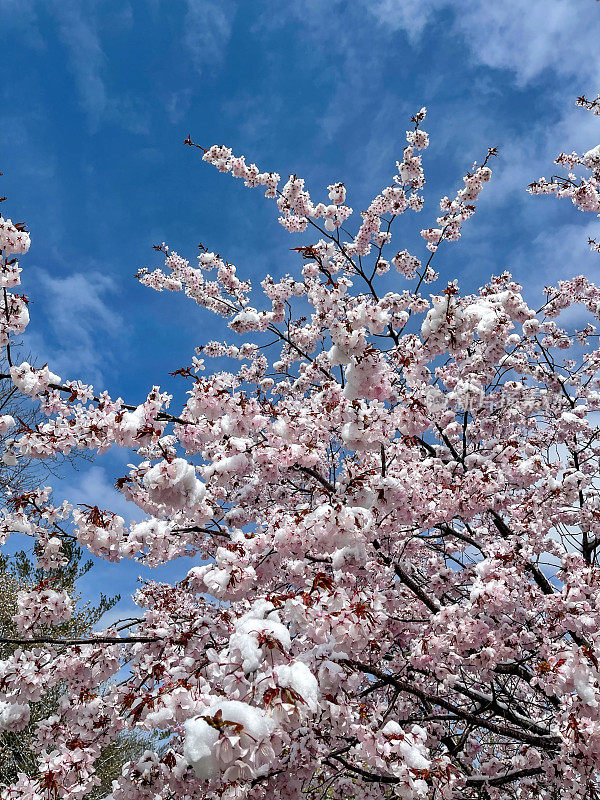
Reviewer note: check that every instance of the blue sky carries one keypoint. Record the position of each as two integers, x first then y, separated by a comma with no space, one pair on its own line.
98,97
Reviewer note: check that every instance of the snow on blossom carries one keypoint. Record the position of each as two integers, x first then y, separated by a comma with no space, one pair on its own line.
13,716
223,738
174,484
409,745
6,423
32,381
591,159
256,630
298,677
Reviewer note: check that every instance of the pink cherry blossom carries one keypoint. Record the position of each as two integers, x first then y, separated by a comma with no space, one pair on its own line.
392,500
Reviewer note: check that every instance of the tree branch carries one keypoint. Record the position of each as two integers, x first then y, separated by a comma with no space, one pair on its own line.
546,742
98,640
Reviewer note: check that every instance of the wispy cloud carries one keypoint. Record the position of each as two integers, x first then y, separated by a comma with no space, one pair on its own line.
208,25
178,105
411,16
526,38
80,25
561,253
124,610
79,33
78,310
529,156
20,15
530,43
93,487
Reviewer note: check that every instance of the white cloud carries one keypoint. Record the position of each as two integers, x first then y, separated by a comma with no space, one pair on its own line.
93,487
79,29
529,155
208,25
525,36
78,310
20,15
561,253
534,36
411,16
178,105
79,33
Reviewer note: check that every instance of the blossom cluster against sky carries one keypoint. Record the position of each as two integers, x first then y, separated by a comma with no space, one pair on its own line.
98,97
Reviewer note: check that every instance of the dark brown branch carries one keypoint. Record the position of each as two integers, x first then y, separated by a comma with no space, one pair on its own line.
406,579
500,780
463,537
98,640
371,777
544,742
541,580
317,476
160,416
411,584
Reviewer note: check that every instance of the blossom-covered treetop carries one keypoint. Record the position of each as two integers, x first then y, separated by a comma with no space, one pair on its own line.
394,496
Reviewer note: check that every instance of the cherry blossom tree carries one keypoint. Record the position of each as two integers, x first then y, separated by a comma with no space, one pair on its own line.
394,497
18,574
16,751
